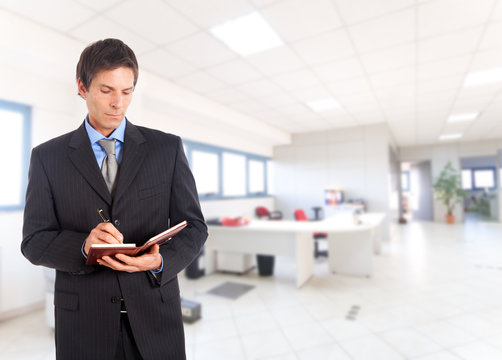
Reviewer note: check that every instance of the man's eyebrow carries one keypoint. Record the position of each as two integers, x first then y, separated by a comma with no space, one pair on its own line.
112,88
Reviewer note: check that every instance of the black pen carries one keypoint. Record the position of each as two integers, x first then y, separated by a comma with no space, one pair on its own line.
100,212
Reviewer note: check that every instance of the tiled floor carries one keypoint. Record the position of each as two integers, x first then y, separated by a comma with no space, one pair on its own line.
436,294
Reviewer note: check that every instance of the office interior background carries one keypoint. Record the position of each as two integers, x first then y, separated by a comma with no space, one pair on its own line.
371,98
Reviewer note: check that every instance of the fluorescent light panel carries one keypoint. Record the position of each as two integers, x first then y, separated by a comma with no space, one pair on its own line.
463,117
323,104
483,77
248,34
450,137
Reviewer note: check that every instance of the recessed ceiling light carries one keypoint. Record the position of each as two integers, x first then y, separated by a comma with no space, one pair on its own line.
483,77
248,34
323,104
463,117
450,137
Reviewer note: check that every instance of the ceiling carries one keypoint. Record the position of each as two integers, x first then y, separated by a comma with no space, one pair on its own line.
402,62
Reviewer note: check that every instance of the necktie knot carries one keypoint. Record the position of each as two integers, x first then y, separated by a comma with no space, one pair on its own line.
110,166
108,145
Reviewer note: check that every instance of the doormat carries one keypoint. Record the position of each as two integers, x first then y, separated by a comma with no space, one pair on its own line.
230,290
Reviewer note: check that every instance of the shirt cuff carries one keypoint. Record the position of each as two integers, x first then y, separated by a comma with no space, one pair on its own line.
83,252
156,271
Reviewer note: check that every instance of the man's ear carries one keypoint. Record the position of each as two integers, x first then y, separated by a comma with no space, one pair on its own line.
82,91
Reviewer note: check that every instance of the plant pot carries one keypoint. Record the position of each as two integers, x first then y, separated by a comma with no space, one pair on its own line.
450,219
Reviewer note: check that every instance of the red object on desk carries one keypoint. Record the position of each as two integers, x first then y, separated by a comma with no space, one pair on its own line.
234,221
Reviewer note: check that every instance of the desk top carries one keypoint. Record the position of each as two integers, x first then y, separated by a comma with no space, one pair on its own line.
333,224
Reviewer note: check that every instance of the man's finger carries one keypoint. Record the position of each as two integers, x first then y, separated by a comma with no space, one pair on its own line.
109,228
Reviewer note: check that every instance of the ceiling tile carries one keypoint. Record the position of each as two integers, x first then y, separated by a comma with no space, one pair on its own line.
354,86
442,16
98,5
101,28
384,32
389,59
201,50
277,101
443,68
326,47
227,96
259,88
211,12
275,61
354,11
487,59
449,45
312,93
262,3
249,107
441,85
200,82
339,70
395,78
162,63
152,19
491,38
497,12
296,80
68,14
235,72
296,20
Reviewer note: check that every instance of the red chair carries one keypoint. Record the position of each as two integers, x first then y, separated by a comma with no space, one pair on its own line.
300,216
263,213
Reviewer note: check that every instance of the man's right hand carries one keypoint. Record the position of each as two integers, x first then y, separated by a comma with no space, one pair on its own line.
104,233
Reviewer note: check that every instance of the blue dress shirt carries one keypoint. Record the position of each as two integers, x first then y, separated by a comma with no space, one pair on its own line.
100,154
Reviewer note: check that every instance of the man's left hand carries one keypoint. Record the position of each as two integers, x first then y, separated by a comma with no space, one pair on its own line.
148,261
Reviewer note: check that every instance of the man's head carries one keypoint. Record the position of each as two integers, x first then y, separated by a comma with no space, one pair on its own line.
106,75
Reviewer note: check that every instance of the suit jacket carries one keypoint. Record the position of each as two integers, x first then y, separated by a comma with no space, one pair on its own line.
155,189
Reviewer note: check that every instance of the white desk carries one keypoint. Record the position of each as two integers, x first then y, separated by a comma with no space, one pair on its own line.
350,246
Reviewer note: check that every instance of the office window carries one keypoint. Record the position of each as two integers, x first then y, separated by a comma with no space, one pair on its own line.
484,178
405,180
205,169
14,154
467,179
256,176
234,174
224,173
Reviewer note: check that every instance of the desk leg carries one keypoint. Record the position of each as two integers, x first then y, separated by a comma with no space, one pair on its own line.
209,260
304,258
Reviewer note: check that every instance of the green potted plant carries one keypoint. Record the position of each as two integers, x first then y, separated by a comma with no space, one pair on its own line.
448,190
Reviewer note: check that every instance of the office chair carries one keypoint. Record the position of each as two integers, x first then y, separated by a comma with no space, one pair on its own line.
300,216
263,213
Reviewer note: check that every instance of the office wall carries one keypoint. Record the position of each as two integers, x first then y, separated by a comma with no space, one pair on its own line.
355,159
440,154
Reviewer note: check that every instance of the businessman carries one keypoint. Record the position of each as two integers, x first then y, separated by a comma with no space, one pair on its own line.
125,307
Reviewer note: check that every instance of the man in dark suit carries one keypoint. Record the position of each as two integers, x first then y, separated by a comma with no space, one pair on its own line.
124,308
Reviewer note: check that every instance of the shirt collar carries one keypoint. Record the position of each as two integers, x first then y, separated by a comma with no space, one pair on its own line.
95,136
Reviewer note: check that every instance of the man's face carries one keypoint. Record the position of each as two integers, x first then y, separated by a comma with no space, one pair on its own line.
108,98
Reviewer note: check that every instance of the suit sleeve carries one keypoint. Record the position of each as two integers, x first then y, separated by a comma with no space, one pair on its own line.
44,242
184,205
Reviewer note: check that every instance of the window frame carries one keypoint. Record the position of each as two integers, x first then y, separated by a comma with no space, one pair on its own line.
190,146
493,169
25,112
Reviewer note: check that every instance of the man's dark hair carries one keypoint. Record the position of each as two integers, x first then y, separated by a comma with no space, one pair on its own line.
105,54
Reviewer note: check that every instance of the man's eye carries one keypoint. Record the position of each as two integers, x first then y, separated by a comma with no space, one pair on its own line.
105,91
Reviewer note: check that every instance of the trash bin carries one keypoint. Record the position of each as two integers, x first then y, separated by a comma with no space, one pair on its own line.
265,264
196,269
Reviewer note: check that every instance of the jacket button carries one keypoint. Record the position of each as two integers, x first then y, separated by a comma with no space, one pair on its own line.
115,299
116,222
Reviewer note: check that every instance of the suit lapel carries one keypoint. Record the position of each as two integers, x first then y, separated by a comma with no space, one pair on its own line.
132,159
82,156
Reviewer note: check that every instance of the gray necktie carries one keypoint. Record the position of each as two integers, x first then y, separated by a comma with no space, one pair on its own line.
110,165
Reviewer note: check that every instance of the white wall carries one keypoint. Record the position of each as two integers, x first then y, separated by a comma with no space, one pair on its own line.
355,159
